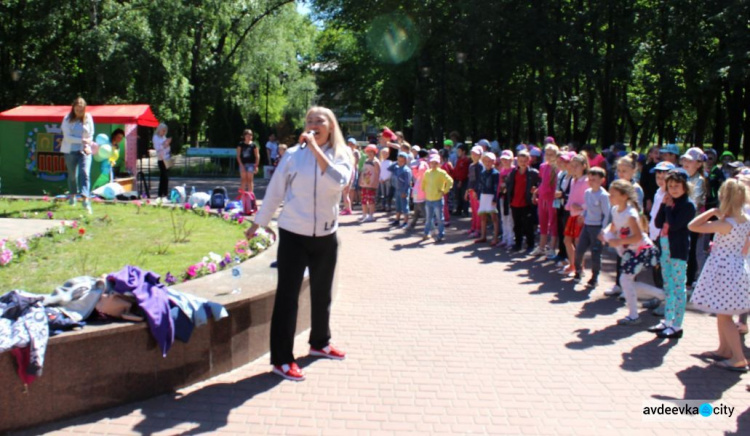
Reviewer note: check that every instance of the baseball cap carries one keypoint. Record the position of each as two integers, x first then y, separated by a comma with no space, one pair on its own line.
484,143
736,164
566,156
520,147
727,154
415,148
388,134
662,166
506,154
352,141
448,143
404,155
490,155
671,148
549,140
695,154
371,147
523,152
535,151
432,152
477,149
435,158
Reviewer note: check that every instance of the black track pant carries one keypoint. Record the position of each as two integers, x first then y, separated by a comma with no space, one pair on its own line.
163,180
296,252
523,225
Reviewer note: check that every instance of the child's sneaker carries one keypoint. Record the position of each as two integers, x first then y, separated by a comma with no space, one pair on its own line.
425,237
289,371
615,290
577,277
87,206
346,212
362,218
551,254
329,352
629,321
538,251
567,270
652,303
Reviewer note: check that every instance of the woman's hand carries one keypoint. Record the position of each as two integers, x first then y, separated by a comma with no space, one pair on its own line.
309,139
668,200
256,170
250,233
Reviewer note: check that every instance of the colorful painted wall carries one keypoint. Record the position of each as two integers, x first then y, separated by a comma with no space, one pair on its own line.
31,162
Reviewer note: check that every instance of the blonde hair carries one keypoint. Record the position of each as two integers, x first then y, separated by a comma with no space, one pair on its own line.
335,138
732,197
630,159
556,149
628,190
583,160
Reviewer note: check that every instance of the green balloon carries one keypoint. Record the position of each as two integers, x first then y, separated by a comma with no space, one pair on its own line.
105,151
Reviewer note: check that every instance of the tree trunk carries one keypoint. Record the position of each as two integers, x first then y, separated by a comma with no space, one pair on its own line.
746,121
734,115
702,113
720,125
195,81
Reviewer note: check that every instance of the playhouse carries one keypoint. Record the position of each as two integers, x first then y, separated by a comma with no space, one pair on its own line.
30,139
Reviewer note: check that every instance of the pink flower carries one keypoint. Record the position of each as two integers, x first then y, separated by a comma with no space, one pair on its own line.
187,206
5,256
45,198
74,224
240,220
22,244
211,267
207,208
192,270
200,265
50,215
137,203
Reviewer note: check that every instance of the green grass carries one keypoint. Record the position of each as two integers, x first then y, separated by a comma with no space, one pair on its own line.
159,239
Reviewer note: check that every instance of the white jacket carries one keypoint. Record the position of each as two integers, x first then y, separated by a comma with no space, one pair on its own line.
68,139
311,197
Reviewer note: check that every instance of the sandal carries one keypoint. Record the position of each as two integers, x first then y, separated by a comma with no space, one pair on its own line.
742,328
711,355
479,241
725,364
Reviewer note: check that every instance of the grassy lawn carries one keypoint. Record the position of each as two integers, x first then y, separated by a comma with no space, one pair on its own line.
159,239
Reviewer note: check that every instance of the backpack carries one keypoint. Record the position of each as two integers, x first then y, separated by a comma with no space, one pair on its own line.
178,195
219,198
249,204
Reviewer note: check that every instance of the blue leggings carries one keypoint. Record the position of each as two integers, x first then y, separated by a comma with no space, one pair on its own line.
674,272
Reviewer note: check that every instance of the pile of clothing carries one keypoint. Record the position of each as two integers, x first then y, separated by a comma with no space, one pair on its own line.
131,294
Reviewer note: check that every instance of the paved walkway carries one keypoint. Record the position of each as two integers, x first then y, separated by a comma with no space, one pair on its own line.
456,339
15,228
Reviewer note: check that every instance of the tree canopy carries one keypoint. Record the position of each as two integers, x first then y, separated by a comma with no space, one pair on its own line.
637,71
209,65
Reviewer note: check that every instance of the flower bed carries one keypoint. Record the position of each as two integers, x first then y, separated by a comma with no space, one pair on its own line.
180,243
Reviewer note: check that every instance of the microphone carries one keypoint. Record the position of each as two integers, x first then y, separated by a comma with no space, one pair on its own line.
303,144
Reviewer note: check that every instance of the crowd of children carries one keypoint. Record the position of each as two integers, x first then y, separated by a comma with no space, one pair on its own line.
651,210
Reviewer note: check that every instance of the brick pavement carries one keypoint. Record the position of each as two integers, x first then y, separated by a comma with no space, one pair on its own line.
455,339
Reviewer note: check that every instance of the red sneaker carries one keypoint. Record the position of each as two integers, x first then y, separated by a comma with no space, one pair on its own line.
289,371
329,352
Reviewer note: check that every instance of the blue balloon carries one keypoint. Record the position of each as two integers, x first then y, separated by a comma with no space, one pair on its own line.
102,139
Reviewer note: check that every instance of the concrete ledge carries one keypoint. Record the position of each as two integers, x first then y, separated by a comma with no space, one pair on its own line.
106,365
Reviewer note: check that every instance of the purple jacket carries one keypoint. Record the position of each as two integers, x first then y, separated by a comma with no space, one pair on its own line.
152,298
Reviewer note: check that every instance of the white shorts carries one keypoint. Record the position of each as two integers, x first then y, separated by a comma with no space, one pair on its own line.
485,204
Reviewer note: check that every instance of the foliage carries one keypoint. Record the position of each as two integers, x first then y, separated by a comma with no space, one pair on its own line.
189,59
637,71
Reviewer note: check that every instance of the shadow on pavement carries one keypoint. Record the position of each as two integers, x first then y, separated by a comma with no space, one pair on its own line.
606,336
647,355
208,407
706,383
743,424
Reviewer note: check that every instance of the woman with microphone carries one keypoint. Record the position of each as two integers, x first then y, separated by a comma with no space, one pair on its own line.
309,180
